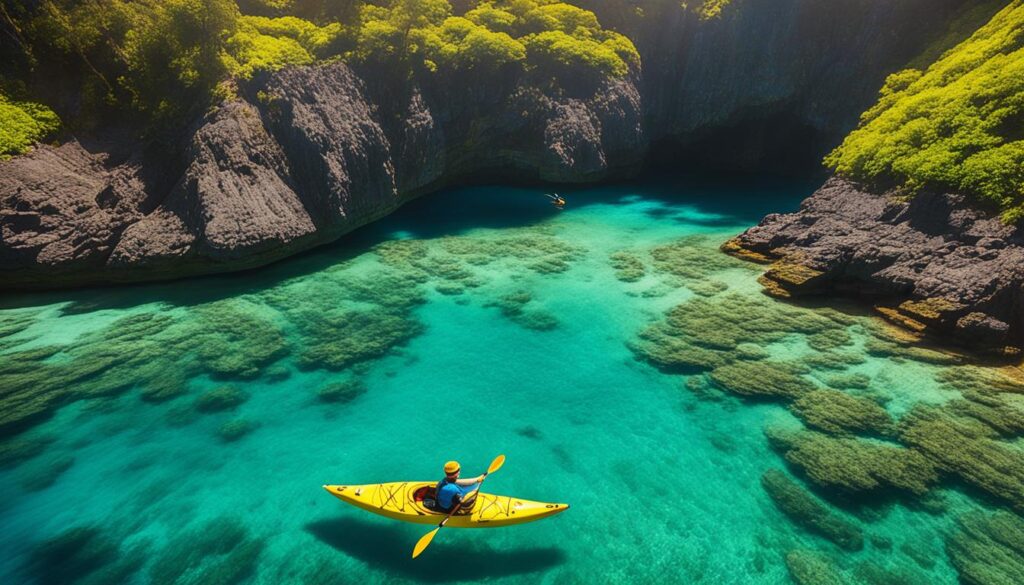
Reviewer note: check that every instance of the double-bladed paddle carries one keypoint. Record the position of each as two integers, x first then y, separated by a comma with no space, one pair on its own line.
424,542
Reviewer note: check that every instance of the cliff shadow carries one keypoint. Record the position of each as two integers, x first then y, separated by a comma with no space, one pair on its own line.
388,548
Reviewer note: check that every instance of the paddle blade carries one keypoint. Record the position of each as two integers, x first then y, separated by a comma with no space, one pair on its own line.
496,464
423,543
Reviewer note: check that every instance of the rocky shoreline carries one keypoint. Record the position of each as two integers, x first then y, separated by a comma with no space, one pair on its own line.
933,264
308,154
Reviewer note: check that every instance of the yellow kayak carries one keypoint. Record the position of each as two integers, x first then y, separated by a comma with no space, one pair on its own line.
404,500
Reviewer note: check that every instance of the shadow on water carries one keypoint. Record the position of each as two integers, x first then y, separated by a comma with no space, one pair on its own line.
389,548
717,200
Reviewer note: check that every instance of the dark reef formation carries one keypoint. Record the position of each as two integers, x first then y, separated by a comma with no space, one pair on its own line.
931,263
310,153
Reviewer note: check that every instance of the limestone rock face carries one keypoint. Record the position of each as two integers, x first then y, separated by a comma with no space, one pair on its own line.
316,155
931,263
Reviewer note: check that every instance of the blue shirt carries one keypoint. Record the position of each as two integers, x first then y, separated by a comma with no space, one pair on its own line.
448,490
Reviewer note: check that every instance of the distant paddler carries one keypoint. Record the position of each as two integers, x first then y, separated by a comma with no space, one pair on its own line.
556,200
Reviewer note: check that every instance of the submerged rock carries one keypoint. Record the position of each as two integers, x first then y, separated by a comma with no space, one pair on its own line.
809,512
839,413
219,399
812,568
988,549
346,391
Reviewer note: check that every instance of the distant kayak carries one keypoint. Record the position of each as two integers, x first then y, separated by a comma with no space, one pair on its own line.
407,501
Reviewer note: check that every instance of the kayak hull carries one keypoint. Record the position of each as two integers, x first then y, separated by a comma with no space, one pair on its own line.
404,500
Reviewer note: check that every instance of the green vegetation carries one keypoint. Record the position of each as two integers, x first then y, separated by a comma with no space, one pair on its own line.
234,430
853,466
988,548
839,413
23,123
345,391
223,398
812,568
165,60
806,510
959,124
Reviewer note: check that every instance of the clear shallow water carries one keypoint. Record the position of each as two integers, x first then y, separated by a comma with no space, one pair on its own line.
487,323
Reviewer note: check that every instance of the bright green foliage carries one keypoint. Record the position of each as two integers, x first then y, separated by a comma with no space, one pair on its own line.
161,56
492,18
550,37
167,60
959,125
460,43
559,49
22,123
268,44
175,47
709,9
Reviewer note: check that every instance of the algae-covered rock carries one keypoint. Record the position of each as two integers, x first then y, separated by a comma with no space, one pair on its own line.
839,413
707,287
342,339
41,474
345,391
700,387
831,360
881,348
72,556
812,568
220,551
234,430
277,373
628,267
515,305
966,378
829,340
219,399
750,352
235,340
692,258
1003,412
854,466
871,574
13,452
988,549
164,388
849,381
807,511
659,346
762,379
968,449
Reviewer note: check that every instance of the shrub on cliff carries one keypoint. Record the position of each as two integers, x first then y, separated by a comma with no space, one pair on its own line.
268,44
550,38
160,57
167,59
23,123
956,125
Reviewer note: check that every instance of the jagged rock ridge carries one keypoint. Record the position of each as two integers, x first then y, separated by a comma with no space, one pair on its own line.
931,263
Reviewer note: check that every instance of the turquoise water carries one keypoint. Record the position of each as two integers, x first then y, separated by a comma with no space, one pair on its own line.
473,322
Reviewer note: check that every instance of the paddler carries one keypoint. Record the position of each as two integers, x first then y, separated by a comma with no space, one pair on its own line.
451,490
556,200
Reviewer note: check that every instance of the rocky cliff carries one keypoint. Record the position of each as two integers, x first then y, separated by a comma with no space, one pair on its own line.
308,154
312,154
774,82
933,263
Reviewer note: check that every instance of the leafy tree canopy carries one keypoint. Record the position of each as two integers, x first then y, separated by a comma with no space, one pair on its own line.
959,124
165,60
